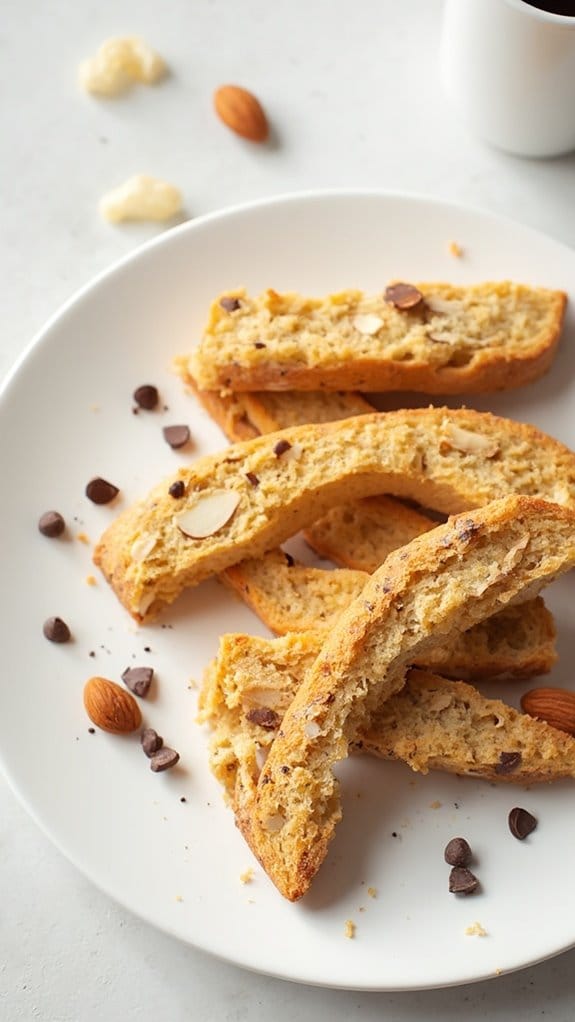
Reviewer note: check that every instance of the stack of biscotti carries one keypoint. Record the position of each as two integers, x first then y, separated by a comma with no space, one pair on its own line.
457,600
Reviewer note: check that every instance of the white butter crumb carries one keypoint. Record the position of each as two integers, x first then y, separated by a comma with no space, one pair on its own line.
141,198
119,63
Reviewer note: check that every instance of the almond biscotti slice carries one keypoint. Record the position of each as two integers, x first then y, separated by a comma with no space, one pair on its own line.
430,724
435,338
517,643
256,494
447,580
245,415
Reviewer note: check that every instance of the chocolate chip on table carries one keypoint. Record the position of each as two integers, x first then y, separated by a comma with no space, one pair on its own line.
229,303
252,478
508,762
176,436
100,491
521,823
146,396
265,717
457,852
51,524
462,881
138,680
151,741
403,296
177,489
281,447
164,759
56,630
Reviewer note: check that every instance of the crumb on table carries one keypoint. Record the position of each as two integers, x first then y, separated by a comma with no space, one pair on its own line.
83,537
455,250
475,930
372,891
435,805
91,580
350,929
247,876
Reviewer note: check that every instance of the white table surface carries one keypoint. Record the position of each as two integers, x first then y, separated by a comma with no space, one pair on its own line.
353,93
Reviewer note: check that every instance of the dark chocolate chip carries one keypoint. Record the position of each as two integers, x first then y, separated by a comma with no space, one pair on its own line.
99,491
229,303
462,881
259,344
457,852
51,524
252,478
289,560
403,296
138,680
56,630
508,762
151,741
91,730
177,489
183,798
266,718
521,823
146,396
281,447
164,759
176,436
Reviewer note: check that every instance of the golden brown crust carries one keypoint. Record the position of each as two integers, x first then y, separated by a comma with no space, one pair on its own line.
447,459
493,336
445,580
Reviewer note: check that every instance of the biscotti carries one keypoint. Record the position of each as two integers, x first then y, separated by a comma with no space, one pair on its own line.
446,580
430,724
256,494
435,338
518,642
246,415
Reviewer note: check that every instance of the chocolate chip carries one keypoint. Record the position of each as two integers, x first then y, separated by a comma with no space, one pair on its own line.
51,524
230,304
508,762
457,852
403,296
259,344
138,680
289,560
99,491
151,741
91,730
177,489
266,718
183,798
252,478
164,759
521,823
56,630
146,396
176,436
281,447
462,881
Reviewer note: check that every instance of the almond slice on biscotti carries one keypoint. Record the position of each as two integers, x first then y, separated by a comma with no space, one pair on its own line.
283,481
432,723
446,580
435,338
518,642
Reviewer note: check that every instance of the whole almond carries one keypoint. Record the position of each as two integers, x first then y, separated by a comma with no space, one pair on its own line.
241,112
556,706
110,707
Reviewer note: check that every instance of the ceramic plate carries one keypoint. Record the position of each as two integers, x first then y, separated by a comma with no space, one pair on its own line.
66,414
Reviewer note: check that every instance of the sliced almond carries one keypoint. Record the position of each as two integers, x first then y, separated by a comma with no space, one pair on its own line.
143,547
514,555
444,306
441,338
470,443
367,324
312,729
275,823
209,514
261,756
403,296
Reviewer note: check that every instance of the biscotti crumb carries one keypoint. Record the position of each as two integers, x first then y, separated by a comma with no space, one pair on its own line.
350,929
83,537
455,250
179,897
435,805
475,930
91,580
372,891
247,876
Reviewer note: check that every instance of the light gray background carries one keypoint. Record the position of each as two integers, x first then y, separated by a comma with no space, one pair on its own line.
352,90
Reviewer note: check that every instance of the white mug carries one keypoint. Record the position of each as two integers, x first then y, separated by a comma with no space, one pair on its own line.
509,69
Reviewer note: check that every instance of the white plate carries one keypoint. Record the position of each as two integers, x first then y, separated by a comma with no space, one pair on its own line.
66,415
